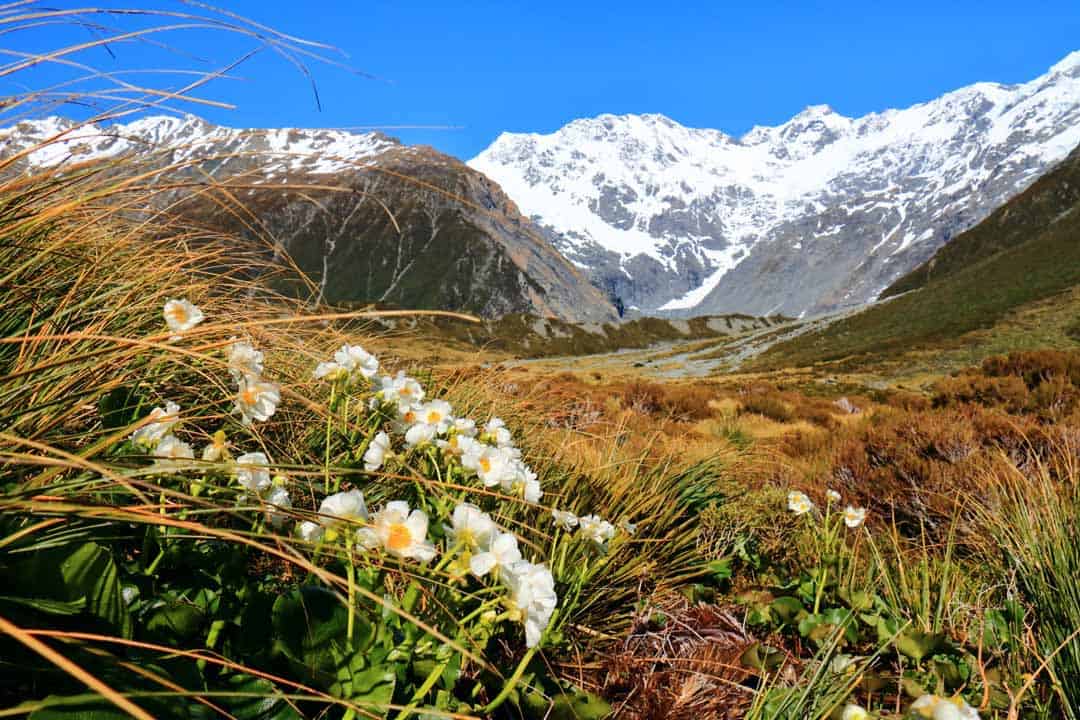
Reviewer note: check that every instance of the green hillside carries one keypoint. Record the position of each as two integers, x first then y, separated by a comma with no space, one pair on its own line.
1028,250
1013,224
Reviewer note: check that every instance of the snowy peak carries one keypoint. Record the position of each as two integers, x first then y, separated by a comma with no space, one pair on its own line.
55,141
1069,65
820,211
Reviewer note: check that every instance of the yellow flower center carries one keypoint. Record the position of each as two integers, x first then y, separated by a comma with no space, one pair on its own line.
485,464
433,417
410,416
249,395
399,538
178,313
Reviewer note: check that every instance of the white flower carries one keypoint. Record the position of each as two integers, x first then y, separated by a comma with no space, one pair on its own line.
343,507
457,445
330,370
376,453
244,360
532,592
520,480
256,399
276,501
400,390
798,503
496,430
357,361
465,426
854,712
161,421
181,316
252,472
937,708
436,413
217,449
403,533
832,496
471,526
530,490
171,452
595,528
492,465
565,519
854,517
420,433
309,531
500,554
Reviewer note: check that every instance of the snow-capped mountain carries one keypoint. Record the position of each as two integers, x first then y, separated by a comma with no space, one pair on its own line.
56,141
366,218
820,212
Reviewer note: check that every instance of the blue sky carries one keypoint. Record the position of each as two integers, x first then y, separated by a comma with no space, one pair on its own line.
471,70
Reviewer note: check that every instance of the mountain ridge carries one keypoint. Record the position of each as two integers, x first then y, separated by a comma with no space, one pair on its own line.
1039,260
819,212
365,217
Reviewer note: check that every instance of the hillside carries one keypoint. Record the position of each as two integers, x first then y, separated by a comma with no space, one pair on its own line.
820,212
1038,207
365,218
1038,234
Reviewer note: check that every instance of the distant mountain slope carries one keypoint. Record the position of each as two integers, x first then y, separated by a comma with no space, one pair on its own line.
1026,251
455,241
821,212
1038,207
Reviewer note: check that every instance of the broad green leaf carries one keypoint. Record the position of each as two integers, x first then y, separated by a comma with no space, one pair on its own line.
175,622
76,574
786,609
269,706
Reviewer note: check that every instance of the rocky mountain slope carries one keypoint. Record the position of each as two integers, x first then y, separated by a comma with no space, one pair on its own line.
1026,253
821,212
366,218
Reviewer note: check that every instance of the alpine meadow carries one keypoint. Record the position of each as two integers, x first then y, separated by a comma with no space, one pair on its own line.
614,417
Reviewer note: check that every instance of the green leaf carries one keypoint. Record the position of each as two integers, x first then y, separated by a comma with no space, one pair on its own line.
75,575
761,657
270,706
97,709
310,627
51,607
720,570
918,645
175,622
787,609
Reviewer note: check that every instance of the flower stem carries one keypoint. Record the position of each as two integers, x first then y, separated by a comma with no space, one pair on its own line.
511,683
329,427
351,573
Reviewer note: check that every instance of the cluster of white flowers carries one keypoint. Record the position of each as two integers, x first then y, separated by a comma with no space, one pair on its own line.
155,433
939,708
488,454
350,362
800,504
256,399
252,473
590,527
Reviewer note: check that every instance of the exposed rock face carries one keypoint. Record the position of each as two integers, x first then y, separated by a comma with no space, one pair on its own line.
821,212
377,222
